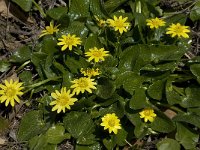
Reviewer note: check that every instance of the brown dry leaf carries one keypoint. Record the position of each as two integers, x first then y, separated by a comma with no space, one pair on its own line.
170,113
4,9
2,141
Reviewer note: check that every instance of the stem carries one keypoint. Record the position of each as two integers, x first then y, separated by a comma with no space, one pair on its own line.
22,66
170,107
39,9
178,91
30,87
180,12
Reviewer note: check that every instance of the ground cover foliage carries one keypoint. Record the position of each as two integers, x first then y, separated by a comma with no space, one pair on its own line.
139,68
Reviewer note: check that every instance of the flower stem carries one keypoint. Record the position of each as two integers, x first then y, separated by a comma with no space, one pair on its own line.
39,9
22,66
30,87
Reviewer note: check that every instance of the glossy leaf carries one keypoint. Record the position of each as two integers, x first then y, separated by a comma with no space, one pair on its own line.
96,8
186,136
139,100
192,97
56,134
95,146
156,90
105,88
188,118
79,9
78,124
30,126
172,96
24,4
26,77
167,144
4,66
195,12
21,55
162,123
56,13
120,137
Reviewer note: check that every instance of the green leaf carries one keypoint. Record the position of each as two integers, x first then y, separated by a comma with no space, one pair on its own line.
195,12
78,124
132,83
56,134
139,99
192,97
188,118
95,146
105,88
40,143
172,96
24,4
156,90
86,140
49,45
79,9
109,144
4,66
21,55
179,18
195,69
194,110
26,77
120,137
168,144
75,64
186,136
30,126
128,58
96,8
162,123
160,67
111,5
56,13
92,41
76,27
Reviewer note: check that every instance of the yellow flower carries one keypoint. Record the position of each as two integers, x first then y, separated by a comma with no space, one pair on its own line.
111,122
62,100
179,30
10,91
119,24
155,23
100,22
96,54
68,41
147,114
90,72
83,84
50,29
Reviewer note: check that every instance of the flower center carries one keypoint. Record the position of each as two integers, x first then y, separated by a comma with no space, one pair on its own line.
179,29
97,53
50,30
111,123
119,24
155,23
69,41
63,100
82,83
147,112
10,92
